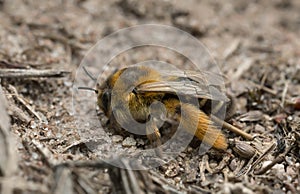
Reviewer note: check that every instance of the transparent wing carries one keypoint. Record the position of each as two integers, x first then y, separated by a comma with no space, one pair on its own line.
189,83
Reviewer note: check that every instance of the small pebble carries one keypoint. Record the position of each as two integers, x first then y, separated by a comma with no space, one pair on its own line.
259,129
49,134
172,170
117,138
35,156
59,135
233,164
189,149
177,179
128,142
140,142
33,125
20,146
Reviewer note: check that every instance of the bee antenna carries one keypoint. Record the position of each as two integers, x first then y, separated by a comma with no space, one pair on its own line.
87,88
89,74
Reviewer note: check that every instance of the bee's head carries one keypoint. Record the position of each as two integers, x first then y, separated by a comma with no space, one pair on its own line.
104,97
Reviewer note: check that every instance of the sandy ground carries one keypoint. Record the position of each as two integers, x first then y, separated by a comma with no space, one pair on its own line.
255,44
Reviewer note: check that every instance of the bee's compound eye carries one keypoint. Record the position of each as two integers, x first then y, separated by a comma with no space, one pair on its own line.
105,100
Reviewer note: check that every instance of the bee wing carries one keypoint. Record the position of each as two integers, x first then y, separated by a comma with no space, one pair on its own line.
202,77
188,83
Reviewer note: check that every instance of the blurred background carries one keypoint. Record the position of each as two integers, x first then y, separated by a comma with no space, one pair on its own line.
255,43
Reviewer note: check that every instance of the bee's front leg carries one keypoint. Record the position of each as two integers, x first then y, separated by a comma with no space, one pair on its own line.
153,134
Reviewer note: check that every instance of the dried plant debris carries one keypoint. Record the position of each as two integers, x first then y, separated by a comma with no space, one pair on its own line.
42,43
4,135
25,73
8,159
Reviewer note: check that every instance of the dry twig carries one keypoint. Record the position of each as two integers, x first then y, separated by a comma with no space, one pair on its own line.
264,88
277,160
261,157
17,97
231,49
232,128
286,85
31,73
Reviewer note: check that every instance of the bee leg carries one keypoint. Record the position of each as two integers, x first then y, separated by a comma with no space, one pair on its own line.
153,135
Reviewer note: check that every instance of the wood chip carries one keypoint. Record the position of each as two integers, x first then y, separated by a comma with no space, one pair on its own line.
251,116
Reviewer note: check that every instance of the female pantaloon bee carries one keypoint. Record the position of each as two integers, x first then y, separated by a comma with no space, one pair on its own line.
131,91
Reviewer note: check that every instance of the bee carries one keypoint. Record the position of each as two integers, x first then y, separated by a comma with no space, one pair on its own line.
131,92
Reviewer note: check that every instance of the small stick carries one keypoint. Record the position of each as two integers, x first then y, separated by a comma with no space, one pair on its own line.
264,88
17,97
231,49
47,157
222,164
202,169
207,167
238,171
29,73
261,157
18,113
264,78
247,168
286,85
132,178
232,128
